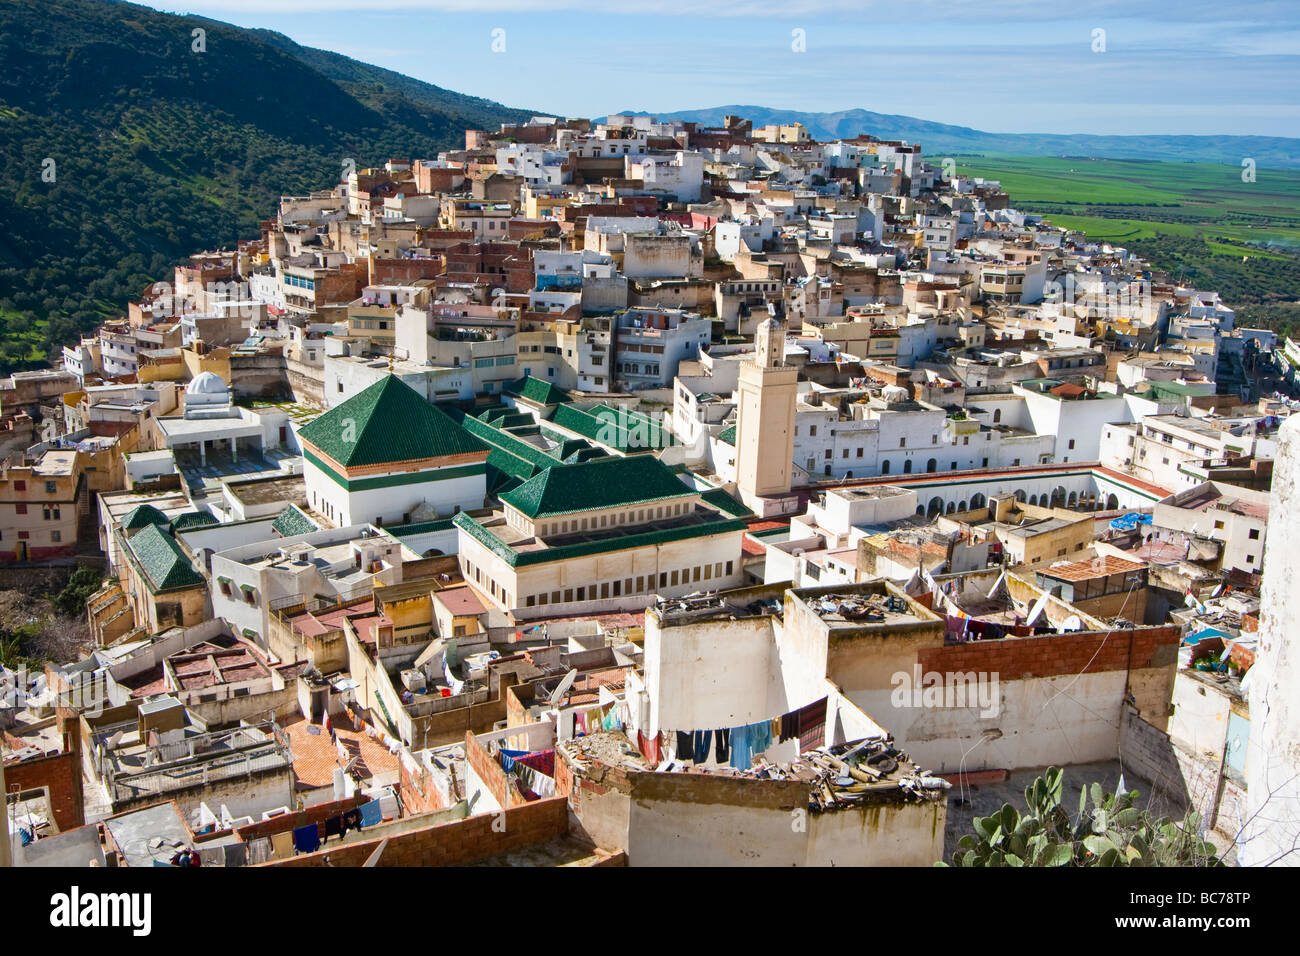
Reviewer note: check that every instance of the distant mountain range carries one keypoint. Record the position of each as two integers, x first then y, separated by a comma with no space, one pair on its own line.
940,139
157,149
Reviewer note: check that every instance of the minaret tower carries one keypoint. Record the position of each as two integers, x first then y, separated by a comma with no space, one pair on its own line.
765,425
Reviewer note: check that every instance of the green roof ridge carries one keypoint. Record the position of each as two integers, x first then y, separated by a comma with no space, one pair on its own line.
387,422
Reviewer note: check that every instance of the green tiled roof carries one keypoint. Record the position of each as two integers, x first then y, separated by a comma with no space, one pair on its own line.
387,422
726,503
419,527
728,435
643,539
601,483
161,559
192,519
141,516
537,390
291,521
619,428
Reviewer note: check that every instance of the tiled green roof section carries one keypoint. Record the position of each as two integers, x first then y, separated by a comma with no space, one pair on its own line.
728,435
616,427
601,483
511,455
514,558
162,560
536,390
192,519
387,422
726,503
141,516
293,520
419,527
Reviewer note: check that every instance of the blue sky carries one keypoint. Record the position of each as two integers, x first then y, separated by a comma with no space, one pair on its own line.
1196,67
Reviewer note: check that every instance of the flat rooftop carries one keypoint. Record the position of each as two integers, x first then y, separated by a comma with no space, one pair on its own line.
261,491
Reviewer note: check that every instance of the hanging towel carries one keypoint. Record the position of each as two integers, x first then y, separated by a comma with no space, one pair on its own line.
371,814
702,740
543,761
685,746
260,850
723,748
760,736
236,854
334,826
307,839
282,844
789,726
739,740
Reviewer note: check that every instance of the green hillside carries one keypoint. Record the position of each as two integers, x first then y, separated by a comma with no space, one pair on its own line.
1200,222
160,151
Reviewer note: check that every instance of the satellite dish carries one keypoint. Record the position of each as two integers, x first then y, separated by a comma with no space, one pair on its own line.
1037,609
1072,623
563,686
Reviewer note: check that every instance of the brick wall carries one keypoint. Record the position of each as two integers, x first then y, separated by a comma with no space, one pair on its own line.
456,843
61,774
1056,655
398,271
489,771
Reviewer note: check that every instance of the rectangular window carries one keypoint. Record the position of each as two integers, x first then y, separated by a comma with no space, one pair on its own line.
728,569
674,579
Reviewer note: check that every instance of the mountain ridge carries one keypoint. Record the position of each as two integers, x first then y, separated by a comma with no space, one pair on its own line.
157,150
938,139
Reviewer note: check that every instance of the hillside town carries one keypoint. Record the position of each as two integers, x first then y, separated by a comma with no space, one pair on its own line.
603,490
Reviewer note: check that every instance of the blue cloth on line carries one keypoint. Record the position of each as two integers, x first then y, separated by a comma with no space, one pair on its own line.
740,747
760,736
307,839
702,740
371,815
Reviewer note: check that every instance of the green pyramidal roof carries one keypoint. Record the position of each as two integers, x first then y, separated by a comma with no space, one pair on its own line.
599,483
141,516
537,390
387,422
162,560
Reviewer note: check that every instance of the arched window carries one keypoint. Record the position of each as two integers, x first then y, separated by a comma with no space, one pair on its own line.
907,467
884,467
931,465
997,415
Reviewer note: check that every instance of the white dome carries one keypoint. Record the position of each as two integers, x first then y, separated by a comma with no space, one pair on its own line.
207,383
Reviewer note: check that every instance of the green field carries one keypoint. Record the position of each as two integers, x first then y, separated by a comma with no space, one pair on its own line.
1127,199
1199,222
